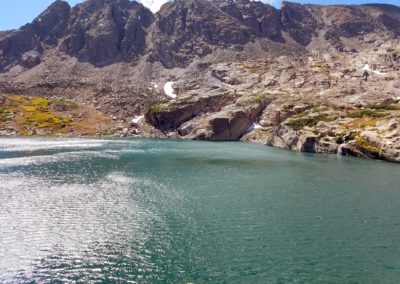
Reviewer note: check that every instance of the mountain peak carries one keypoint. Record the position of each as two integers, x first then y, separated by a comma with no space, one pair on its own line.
103,32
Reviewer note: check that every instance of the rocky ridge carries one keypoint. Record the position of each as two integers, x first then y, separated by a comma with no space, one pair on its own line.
304,77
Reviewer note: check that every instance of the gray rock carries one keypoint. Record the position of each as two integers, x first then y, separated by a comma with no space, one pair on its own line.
30,59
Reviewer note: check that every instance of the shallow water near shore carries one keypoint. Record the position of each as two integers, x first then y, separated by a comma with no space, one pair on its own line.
161,211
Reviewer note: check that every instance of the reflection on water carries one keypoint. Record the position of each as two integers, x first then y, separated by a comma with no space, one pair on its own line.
55,229
92,210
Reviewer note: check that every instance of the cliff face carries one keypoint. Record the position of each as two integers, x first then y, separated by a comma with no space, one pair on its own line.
99,32
233,64
187,29
103,32
26,45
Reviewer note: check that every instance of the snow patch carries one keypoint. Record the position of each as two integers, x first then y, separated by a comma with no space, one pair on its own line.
254,126
257,126
367,68
169,90
136,119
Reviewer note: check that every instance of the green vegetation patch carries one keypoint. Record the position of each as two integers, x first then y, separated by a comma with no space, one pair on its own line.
28,114
4,114
311,121
63,105
43,118
159,108
31,104
41,104
187,98
362,122
301,114
367,146
33,112
339,137
344,135
354,135
366,112
384,106
318,64
253,99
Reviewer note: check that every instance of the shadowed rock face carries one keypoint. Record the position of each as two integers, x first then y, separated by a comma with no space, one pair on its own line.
51,24
103,32
262,19
45,29
299,22
170,118
185,29
16,43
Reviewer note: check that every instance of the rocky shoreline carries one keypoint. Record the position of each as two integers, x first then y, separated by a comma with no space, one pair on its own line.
372,131
312,78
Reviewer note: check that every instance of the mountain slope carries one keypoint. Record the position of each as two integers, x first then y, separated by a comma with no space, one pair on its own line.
305,76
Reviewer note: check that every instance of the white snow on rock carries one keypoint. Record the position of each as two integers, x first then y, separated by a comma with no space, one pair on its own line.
254,126
367,68
136,119
169,90
257,126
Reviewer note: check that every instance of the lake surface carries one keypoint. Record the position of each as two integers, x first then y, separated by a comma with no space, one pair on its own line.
152,211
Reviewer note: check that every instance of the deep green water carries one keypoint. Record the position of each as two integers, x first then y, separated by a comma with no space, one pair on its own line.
151,211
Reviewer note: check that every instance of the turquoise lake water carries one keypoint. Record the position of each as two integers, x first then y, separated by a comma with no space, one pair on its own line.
153,211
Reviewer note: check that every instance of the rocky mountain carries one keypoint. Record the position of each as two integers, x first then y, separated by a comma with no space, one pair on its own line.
305,77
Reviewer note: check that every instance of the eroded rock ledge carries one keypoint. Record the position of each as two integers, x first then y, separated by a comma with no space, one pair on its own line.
371,131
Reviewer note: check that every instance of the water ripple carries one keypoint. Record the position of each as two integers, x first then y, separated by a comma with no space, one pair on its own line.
151,211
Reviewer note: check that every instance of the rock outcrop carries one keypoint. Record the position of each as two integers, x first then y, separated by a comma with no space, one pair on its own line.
168,117
26,45
102,32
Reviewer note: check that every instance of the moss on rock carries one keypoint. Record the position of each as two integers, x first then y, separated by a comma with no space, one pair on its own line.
310,121
159,108
367,146
254,99
367,113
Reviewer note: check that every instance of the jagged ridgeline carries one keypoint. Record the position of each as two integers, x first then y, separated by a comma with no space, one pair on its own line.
103,32
306,77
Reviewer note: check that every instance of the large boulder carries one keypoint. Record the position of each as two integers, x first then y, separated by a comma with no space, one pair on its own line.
30,59
234,124
169,116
